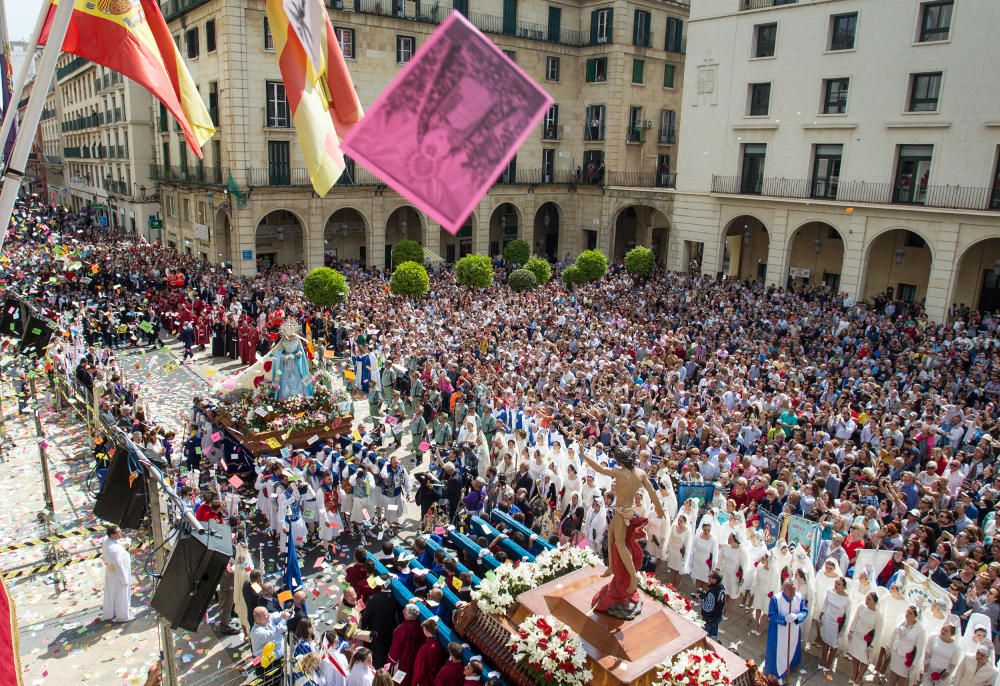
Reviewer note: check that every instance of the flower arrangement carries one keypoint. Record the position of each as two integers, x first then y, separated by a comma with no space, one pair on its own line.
669,596
544,646
500,588
258,411
694,667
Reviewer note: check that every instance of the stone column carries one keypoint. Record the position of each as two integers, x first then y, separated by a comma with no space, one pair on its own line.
944,270
851,274
777,252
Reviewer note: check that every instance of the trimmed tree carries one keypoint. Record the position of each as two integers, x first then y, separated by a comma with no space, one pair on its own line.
325,287
571,275
474,271
521,280
540,268
517,252
592,265
410,279
407,251
639,261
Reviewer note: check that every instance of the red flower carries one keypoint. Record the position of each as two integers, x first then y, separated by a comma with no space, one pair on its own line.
770,594
910,656
739,573
784,574
935,676
870,637
840,620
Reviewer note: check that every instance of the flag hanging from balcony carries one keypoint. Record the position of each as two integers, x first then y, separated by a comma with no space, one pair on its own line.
319,89
131,37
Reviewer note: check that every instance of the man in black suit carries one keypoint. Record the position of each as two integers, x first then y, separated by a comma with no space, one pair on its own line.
380,617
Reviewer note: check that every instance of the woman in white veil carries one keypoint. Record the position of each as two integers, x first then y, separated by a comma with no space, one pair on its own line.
756,556
862,584
733,565
893,606
765,581
705,551
805,584
679,546
657,531
242,566
668,497
825,580
978,631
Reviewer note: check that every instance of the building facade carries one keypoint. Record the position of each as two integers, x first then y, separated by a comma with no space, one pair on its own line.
844,142
613,68
105,124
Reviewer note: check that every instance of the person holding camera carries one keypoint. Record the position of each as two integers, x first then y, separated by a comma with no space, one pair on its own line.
713,602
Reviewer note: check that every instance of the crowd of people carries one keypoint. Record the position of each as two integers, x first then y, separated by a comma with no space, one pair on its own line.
864,418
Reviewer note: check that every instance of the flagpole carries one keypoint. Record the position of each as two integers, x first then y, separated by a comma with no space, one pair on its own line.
21,78
6,87
14,169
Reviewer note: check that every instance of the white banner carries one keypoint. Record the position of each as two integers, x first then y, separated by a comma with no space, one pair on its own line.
797,272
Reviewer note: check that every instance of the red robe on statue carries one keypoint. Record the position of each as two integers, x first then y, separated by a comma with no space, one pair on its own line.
615,592
406,641
430,658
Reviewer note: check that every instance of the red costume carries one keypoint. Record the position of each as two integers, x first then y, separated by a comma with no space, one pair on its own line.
615,592
406,641
430,658
452,674
357,577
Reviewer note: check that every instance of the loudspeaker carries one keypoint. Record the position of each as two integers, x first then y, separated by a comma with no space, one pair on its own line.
123,499
192,574
15,314
36,336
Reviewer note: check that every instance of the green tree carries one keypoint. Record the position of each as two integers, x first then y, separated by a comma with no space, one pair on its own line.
325,287
411,279
407,251
639,261
474,271
571,275
522,280
540,268
592,265
517,252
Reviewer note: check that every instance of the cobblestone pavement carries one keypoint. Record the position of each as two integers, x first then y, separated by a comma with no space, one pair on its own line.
63,640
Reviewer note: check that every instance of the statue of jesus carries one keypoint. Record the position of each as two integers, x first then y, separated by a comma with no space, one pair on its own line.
620,597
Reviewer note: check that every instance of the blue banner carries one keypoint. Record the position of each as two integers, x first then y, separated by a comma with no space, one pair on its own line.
804,532
771,526
703,492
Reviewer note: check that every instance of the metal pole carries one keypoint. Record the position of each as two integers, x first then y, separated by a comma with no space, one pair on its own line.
14,169
46,482
166,633
21,78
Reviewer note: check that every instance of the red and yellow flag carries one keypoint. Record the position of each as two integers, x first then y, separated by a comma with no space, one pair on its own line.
319,89
131,37
10,650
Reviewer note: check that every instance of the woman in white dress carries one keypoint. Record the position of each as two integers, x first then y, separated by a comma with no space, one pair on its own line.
362,672
861,636
668,498
893,606
768,578
756,554
805,588
832,623
825,580
861,585
932,620
571,484
704,554
904,646
732,567
941,657
679,548
978,631
657,532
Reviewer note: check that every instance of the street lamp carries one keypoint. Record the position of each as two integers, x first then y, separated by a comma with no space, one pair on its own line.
746,234
402,226
817,246
900,254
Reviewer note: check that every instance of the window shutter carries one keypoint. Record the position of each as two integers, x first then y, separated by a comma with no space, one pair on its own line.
611,29
668,76
591,69
593,28
635,35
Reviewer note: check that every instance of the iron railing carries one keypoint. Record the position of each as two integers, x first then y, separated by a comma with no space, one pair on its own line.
172,9
863,192
635,134
80,123
667,135
763,4
72,66
119,187
193,175
640,179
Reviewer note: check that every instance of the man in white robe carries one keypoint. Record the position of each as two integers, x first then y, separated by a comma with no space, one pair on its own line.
786,613
117,577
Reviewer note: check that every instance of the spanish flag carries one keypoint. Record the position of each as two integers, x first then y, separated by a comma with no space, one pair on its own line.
131,37
320,92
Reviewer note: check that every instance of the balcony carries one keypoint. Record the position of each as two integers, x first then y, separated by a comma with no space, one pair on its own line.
172,9
81,123
635,134
594,133
763,4
117,187
53,159
211,176
487,23
667,135
552,132
861,192
72,66
83,153
640,179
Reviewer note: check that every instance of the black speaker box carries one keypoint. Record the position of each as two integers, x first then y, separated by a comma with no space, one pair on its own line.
192,574
123,500
36,336
13,317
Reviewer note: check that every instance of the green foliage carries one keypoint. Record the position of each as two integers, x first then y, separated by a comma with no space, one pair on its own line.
592,265
474,271
521,280
407,251
571,275
517,252
410,278
325,287
639,261
540,268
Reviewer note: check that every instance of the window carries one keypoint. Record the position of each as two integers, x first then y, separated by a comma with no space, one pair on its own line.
345,39
835,96
172,205
826,171
268,38
550,124
675,35
640,28
210,35
668,119
597,69
759,100
913,169
213,101
843,29
277,106
752,168
511,54
191,42
462,6
906,292
554,32
638,66
509,174
669,71
186,209
995,195
404,49
912,239
635,130
935,21
924,92
594,123
279,171
551,68
601,26
548,164
509,17
764,39
663,171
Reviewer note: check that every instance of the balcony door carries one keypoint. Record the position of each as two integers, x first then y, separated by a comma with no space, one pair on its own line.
752,169
913,169
826,171
279,170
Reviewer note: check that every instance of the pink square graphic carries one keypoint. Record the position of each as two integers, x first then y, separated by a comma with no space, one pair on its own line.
444,130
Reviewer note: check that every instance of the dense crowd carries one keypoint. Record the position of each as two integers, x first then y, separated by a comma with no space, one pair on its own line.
865,418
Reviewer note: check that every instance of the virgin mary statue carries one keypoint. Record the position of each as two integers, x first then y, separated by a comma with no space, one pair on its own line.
290,365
